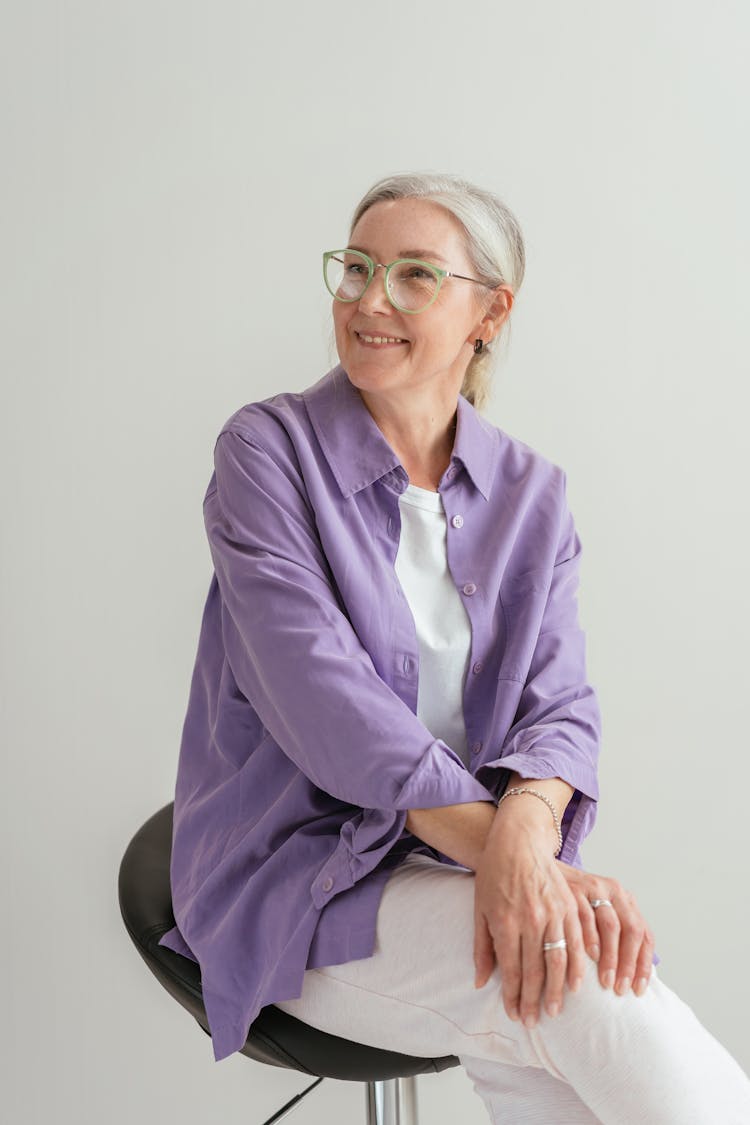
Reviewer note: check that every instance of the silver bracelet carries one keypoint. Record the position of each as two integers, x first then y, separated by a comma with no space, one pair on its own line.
543,797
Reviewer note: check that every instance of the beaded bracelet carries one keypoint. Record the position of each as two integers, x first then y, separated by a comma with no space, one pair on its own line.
543,797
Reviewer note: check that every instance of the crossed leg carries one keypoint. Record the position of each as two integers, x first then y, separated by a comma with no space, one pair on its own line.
604,1058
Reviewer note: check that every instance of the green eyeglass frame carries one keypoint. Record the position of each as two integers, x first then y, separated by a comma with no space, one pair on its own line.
373,265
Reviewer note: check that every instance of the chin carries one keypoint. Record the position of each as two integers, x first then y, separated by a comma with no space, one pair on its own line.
368,368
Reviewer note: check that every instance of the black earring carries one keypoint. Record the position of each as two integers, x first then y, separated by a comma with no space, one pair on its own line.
478,345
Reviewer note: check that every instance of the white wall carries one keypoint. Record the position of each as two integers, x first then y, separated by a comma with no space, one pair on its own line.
161,163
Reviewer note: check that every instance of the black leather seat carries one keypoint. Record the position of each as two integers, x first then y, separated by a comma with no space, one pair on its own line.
275,1037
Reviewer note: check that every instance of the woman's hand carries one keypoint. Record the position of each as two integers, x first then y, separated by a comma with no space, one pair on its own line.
522,899
616,936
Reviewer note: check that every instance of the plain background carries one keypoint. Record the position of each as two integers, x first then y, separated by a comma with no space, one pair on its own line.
172,173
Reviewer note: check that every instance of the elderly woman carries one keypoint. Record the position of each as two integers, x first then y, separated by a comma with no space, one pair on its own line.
388,762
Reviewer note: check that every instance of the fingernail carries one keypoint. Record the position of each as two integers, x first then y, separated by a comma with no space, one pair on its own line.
530,1020
623,986
576,984
594,952
640,986
514,1013
608,979
553,1010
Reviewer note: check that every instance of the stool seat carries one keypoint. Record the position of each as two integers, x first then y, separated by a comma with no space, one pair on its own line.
275,1037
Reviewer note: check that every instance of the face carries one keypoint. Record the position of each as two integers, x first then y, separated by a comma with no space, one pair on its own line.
438,343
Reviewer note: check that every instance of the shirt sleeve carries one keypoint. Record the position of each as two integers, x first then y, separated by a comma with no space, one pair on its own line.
557,726
295,654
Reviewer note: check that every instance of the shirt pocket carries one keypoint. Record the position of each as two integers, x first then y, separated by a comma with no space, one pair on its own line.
523,598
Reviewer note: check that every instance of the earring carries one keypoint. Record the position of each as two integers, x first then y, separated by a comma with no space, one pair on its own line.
478,345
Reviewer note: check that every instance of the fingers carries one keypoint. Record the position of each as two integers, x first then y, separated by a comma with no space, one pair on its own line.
644,963
608,925
528,972
567,964
484,950
508,954
535,966
515,930
631,939
636,947
556,964
627,944
587,920
547,970
576,950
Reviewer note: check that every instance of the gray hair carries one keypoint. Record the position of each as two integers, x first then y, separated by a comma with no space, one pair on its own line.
494,244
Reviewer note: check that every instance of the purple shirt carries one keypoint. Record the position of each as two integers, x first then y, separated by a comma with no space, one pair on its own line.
301,750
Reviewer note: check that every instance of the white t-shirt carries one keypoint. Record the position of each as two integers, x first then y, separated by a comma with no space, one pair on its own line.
442,623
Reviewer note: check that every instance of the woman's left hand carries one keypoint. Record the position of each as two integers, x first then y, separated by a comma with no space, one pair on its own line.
523,896
521,900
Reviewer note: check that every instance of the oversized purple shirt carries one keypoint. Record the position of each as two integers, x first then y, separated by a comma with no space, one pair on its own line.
301,749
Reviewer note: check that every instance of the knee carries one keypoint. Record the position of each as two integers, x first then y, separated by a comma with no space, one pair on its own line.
593,1005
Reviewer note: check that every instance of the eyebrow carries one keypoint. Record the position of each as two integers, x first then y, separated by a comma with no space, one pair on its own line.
424,254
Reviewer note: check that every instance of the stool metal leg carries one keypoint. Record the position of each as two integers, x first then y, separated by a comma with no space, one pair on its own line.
392,1102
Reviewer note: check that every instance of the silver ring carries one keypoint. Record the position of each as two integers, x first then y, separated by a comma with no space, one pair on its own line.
561,944
600,902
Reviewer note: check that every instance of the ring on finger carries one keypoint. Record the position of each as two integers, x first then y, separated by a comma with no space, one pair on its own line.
594,902
561,944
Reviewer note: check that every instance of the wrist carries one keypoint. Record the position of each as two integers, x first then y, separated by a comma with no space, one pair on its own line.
531,817
457,831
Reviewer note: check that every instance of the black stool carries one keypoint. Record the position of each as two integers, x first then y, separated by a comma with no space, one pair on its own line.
275,1037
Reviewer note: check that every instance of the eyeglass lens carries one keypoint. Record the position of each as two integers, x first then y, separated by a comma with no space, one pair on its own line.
411,285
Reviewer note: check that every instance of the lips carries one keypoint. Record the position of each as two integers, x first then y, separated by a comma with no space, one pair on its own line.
379,340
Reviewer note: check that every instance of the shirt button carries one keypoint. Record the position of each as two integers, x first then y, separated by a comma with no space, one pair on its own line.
477,667
476,747
327,883
469,588
450,471
407,664
458,521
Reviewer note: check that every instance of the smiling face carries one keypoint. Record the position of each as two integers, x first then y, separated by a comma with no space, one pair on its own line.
437,343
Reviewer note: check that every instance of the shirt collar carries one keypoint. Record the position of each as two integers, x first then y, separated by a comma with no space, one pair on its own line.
356,448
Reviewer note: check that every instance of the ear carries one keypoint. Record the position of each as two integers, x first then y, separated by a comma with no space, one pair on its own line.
497,312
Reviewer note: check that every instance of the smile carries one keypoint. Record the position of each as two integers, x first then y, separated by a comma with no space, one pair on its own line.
379,341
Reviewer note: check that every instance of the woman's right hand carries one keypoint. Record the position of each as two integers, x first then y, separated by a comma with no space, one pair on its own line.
615,936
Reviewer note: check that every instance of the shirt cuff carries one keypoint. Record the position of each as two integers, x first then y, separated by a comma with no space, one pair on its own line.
579,774
440,779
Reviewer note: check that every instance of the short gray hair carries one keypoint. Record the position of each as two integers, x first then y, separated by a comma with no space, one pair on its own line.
494,244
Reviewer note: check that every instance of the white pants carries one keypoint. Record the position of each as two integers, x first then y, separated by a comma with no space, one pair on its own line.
604,1058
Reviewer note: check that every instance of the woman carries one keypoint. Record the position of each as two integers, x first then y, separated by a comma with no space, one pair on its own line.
388,763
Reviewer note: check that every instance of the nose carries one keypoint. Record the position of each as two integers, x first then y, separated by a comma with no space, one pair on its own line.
375,296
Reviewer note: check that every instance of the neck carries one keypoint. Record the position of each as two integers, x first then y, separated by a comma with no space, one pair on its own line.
421,435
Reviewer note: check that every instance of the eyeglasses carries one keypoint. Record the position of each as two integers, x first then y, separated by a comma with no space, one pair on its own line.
411,285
